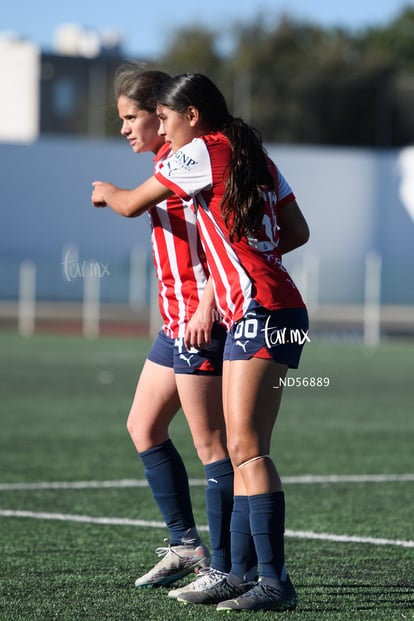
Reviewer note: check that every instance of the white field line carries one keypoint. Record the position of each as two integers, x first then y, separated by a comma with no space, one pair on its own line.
86,519
308,534
307,479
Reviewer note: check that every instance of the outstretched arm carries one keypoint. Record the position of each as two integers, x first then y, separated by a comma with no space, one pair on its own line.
129,203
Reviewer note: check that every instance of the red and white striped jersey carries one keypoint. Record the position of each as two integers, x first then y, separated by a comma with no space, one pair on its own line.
179,259
241,270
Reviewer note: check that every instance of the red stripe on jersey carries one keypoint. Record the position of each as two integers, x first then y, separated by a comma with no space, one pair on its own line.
250,268
179,262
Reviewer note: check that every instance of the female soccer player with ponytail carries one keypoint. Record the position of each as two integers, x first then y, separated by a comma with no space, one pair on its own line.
174,375
247,217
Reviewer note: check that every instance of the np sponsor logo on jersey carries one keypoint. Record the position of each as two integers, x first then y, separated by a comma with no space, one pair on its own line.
180,160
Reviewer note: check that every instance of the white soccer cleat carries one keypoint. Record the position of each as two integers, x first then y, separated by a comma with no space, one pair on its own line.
206,578
177,562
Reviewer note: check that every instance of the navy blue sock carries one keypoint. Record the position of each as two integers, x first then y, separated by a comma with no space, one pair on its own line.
168,480
243,554
267,522
219,502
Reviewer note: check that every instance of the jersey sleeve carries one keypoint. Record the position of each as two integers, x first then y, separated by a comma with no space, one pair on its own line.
285,193
187,171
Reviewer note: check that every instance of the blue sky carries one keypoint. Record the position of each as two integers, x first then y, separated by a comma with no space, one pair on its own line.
145,26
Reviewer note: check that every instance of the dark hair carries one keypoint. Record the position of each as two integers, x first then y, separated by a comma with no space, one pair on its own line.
134,82
248,171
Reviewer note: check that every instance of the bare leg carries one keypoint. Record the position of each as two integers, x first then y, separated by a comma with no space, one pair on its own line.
155,404
201,399
251,404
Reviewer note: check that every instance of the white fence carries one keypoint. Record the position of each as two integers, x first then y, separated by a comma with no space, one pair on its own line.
305,273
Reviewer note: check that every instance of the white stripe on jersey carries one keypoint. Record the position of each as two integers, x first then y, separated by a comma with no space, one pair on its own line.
162,298
169,241
193,243
181,271
244,284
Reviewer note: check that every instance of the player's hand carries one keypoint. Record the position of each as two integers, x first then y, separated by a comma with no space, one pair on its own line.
198,331
98,198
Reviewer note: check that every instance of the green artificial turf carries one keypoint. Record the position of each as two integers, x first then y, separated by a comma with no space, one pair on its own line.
64,404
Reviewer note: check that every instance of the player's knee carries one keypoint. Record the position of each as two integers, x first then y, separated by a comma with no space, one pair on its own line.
146,434
204,452
132,430
211,448
241,450
138,434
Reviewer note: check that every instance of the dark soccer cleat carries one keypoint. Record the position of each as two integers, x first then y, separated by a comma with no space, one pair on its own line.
219,592
264,597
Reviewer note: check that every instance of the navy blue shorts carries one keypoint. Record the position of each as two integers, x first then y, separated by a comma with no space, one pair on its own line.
279,335
171,353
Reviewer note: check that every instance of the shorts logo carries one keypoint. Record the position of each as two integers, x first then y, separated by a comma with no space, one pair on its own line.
187,358
242,345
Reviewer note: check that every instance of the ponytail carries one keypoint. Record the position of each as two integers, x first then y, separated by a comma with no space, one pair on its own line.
248,172
248,175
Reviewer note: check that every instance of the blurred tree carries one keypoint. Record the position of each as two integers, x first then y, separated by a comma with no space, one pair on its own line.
390,52
299,83
192,50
